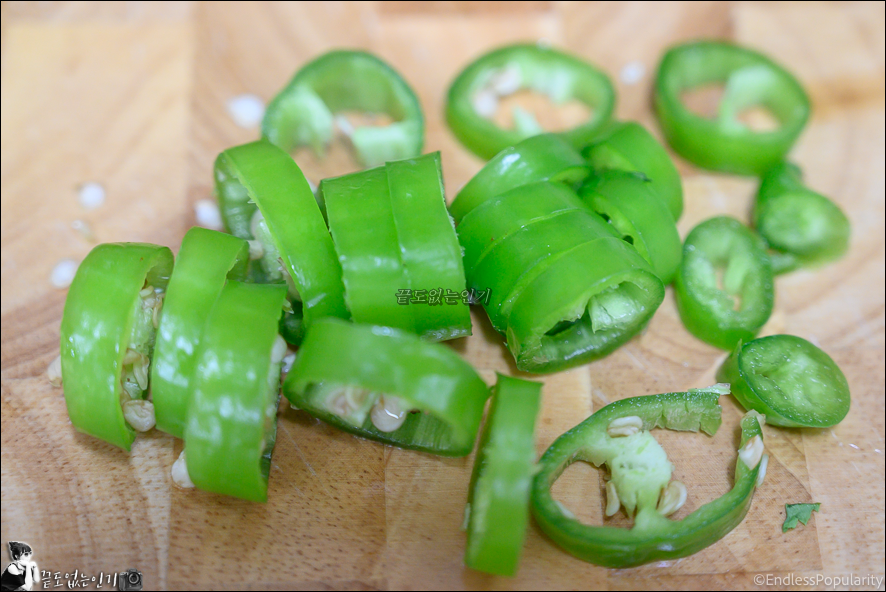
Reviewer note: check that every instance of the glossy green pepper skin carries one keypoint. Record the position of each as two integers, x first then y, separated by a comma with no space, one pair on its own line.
802,227
628,146
751,79
378,361
724,287
393,236
497,511
792,382
302,114
564,287
639,216
232,413
653,536
205,261
546,157
261,176
556,74
99,324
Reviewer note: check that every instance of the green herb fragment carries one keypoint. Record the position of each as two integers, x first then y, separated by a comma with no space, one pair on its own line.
795,513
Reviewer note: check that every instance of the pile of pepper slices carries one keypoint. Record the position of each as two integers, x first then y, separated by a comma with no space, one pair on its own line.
569,238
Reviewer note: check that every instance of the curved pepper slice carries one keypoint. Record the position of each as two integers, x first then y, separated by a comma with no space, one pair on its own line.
724,286
262,173
801,226
498,501
206,259
394,238
514,260
107,335
628,146
345,374
361,220
302,114
586,303
789,380
545,157
232,414
618,436
508,69
627,202
428,245
751,79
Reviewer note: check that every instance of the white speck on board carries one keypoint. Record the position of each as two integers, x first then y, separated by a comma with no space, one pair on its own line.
91,195
246,110
63,273
632,72
208,215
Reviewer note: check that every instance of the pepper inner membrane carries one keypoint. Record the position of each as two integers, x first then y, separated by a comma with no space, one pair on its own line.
609,313
136,372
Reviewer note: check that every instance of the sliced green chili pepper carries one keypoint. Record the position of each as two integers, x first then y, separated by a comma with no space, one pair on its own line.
586,303
751,79
389,386
295,234
362,223
540,158
232,415
564,287
498,503
393,236
789,380
509,239
429,246
205,260
618,436
801,226
628,146
724,286
107,337
303,112
508,69
626,201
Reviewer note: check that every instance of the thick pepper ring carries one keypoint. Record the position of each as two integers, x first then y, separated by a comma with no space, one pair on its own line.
556,74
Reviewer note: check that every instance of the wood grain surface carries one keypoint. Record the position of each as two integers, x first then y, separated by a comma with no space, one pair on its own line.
133,95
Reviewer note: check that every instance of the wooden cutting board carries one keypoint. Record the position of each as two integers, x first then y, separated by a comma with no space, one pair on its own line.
133,96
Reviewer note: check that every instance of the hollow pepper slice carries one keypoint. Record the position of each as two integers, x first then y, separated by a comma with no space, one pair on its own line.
628,146
586,303
345,80
504,264
724,287
441,398
429,246
498,501
107,336
545,157
802,227
206,259
792,382
751,79
508,69
261,176
618,435
232,413
394,238
626,201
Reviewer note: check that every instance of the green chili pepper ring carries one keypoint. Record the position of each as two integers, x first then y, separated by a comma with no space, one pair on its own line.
302,113
789,380
559,75
102,318
653,537
427,377
498,503
726,144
